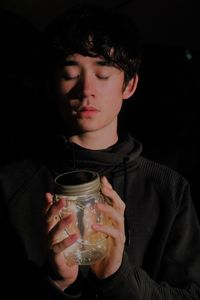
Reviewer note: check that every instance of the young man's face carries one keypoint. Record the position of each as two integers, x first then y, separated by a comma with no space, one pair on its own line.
90,93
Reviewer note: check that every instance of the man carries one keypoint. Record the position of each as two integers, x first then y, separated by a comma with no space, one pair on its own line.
92,65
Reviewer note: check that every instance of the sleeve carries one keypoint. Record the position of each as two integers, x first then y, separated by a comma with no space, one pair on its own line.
21,278
52,292
179,274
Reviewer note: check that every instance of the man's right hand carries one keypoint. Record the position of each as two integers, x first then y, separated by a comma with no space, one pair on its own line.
54,226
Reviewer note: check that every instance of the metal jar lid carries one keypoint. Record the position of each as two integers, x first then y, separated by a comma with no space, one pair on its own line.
75,183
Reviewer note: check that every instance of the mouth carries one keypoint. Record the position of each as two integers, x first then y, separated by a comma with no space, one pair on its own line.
86,111
86,108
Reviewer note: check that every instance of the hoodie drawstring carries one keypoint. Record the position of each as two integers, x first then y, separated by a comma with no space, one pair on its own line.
127,230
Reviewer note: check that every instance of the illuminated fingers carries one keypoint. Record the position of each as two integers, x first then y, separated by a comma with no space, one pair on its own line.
114,213
59,238
108,191
60,246
52,211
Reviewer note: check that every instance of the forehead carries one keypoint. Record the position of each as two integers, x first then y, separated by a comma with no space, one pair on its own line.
77,58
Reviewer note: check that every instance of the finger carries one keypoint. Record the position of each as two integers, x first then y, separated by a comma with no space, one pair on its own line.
60,246
55,243
114,197
104,181
116,217
48,202
53,214
55,209
117,235
59,230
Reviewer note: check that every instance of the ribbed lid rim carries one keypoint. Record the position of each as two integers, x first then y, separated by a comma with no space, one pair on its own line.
85,188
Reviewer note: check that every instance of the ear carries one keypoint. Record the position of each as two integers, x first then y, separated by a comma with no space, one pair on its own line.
130,87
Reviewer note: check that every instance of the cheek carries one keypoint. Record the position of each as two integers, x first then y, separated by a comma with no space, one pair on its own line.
114,94
63,87
113,104
116,87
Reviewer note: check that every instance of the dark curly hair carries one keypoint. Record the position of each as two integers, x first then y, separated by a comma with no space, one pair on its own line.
93,31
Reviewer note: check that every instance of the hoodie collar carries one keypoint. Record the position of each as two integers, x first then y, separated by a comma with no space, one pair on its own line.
68,156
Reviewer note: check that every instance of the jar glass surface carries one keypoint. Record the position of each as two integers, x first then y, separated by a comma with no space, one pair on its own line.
81,193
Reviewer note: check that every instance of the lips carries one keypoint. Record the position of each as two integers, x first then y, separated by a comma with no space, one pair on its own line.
86,108
87,111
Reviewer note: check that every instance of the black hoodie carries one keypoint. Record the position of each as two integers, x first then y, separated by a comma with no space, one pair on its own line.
162,253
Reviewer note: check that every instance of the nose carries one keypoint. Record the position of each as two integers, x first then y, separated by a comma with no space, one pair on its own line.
87,85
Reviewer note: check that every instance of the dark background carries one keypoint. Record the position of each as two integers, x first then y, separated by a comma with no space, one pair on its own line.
163,114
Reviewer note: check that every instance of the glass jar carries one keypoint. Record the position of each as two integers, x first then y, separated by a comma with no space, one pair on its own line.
81,192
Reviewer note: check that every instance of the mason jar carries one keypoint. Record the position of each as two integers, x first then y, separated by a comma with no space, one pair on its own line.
80,191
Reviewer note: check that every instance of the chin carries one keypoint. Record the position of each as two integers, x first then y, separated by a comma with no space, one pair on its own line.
87,126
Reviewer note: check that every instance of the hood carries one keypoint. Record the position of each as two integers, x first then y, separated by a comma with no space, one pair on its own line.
70,156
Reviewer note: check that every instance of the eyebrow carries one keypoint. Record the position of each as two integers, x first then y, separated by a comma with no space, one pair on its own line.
104,63
98,62
69,63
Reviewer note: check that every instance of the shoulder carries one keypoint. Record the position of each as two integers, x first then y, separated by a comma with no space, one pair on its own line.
167,181
17,174
19,165
159,170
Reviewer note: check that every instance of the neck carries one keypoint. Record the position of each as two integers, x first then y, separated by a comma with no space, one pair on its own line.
95,140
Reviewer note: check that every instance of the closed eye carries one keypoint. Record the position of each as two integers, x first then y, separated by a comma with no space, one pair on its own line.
102,76
70,77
